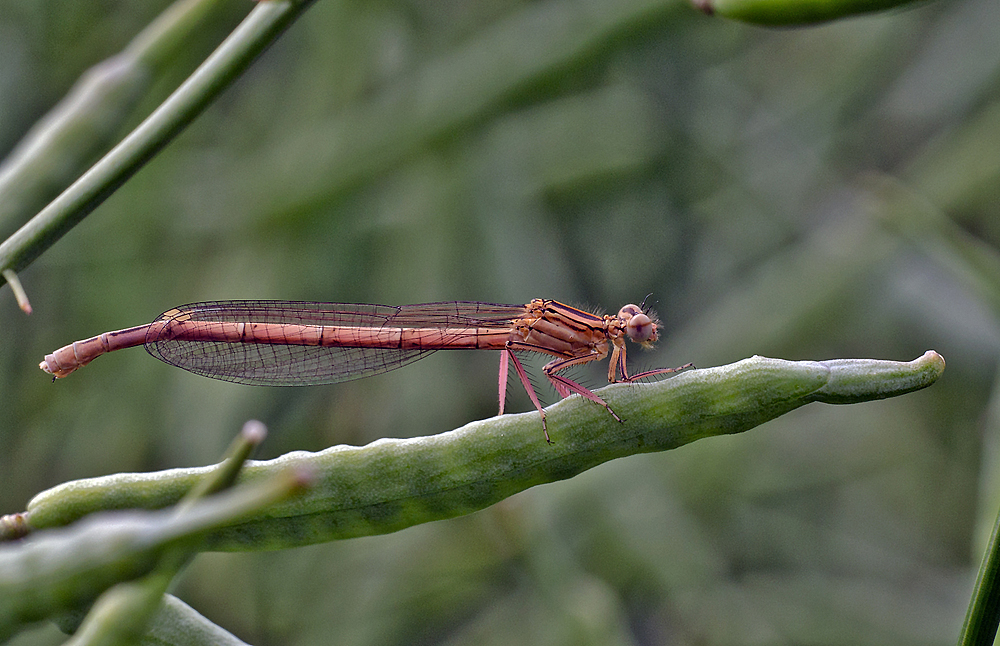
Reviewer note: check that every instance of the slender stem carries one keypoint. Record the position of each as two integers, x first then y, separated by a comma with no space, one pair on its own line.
249,438
793,12
233,56
126,611
179,623
87,121
64,571
15,284
983,617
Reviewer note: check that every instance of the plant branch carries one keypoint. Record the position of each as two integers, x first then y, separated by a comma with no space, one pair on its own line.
233,56
391,484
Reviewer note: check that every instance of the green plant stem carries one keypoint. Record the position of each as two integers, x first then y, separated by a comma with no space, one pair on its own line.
19,294
126,612
178,623
64,570
174,624
63,143
256,32
983,617
392,484
793,12
249,438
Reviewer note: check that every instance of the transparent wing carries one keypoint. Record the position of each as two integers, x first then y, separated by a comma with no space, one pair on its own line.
278,364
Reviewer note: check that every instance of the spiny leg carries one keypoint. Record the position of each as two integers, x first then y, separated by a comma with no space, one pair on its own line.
507,355
658,371
618,362
566,387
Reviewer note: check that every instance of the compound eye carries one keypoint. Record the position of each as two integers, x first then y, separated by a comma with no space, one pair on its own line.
640,328
628,311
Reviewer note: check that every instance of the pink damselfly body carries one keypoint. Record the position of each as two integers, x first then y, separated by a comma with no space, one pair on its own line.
286,343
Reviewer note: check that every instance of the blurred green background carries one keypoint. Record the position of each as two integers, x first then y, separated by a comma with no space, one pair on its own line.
799,193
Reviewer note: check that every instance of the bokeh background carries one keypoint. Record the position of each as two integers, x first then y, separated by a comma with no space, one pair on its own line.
804,193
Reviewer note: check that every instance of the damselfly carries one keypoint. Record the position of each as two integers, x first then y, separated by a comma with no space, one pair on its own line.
285,343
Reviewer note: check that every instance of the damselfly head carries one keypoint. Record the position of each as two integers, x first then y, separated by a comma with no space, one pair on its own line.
639,326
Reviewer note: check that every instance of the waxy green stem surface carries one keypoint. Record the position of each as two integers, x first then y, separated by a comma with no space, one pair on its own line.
391,484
